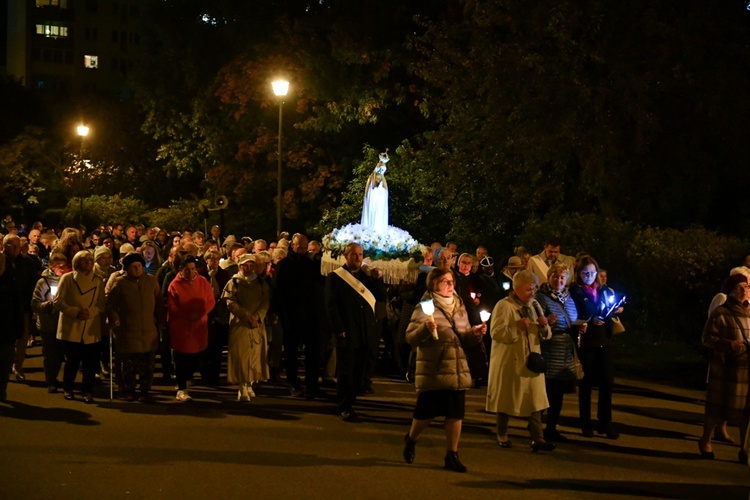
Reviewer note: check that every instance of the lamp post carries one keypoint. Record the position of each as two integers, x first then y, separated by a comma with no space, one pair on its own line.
280,88
83,131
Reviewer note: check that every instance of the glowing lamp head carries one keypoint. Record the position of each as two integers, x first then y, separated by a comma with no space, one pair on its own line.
506,286
280,87
83,130
484,316
428,306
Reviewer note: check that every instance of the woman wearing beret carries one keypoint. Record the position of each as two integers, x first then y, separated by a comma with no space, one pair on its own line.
726,334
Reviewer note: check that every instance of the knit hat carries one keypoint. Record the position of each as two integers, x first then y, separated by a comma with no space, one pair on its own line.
101,251
731,282
131,258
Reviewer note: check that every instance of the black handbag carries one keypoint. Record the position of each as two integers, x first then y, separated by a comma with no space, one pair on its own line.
535,362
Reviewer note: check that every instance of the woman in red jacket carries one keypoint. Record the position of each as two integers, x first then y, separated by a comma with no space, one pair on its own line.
189,300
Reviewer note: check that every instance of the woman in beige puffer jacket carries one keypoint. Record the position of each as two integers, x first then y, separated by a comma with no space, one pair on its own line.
442,374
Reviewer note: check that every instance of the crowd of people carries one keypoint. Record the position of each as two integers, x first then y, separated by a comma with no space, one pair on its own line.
183,299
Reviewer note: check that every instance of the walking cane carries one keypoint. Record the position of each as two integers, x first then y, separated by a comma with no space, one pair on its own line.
111,369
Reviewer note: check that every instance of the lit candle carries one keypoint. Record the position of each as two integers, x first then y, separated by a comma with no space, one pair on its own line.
484,315
429,309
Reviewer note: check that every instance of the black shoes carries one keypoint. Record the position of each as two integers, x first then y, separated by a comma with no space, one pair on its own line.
553,436
706,455
409,449
453,463
608,431
349,416
542,446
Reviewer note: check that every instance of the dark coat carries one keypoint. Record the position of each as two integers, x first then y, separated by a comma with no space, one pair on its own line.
350,313
298,286
596,335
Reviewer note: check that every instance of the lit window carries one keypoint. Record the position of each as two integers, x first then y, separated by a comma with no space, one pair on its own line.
91,62
52,31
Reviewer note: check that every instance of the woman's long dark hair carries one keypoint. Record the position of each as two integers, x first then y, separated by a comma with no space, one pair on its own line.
585,261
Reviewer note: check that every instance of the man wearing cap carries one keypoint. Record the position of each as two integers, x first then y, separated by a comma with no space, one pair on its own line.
540,264
350,296
135,308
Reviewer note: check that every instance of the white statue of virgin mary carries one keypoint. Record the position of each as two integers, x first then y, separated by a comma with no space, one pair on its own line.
375,208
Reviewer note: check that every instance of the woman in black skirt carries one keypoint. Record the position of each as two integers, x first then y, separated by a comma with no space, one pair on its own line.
442,373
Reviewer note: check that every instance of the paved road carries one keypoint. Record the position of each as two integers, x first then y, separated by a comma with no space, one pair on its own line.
280,447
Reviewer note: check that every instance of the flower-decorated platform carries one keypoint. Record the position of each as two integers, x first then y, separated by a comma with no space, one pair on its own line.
392,251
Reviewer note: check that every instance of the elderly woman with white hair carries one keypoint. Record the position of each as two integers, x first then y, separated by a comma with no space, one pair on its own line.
518,327
80,301
248,296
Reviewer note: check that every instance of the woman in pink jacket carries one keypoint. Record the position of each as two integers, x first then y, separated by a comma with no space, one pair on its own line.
189,300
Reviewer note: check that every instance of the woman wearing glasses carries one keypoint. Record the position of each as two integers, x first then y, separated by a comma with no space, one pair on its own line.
442,374
594,348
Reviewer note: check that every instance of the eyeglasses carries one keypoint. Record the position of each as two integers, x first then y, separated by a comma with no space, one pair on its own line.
447,282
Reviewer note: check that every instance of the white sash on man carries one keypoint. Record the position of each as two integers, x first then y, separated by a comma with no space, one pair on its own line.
357,285
539,267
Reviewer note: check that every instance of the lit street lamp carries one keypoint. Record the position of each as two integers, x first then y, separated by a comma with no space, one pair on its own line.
83,131
280,88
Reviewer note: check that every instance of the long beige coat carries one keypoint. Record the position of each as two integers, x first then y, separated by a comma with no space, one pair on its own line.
511,387
248,346
75,292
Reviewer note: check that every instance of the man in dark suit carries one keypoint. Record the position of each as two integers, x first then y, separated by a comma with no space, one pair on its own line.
298,286
350,297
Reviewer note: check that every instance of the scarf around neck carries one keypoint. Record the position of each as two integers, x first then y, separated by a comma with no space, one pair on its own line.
591,290
561,297
447,304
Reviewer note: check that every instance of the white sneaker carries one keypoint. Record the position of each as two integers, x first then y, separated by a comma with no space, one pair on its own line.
183,396
242,394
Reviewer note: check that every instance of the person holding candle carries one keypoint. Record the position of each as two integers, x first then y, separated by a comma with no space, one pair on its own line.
442,373
42,303
594,348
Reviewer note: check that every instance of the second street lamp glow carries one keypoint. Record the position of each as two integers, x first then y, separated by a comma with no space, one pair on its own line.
83,131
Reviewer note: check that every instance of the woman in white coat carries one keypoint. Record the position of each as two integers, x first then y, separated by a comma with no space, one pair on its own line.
518,326
248,295
80,301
